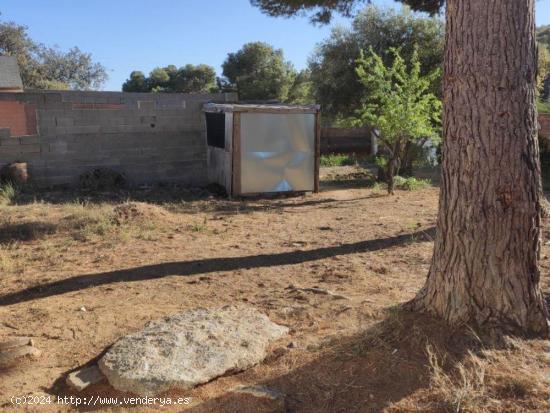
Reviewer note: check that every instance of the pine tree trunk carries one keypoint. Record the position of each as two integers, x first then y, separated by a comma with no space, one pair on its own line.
484,270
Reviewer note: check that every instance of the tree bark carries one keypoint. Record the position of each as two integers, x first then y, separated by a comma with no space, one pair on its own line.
484,270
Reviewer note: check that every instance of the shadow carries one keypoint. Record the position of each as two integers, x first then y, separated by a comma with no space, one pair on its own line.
364,373
208,265
27,231
157,194
178,199
245,206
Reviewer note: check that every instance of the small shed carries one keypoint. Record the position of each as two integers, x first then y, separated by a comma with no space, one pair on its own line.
263,149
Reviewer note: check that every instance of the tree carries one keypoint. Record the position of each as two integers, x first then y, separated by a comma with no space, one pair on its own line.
200,78
136,83
485,267
300,92
543,35
335,83
258,72
399,105
73,68
159,80
45,67
188,79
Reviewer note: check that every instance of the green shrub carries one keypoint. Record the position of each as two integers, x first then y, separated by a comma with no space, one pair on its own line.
337,160
411,183
543,106
8,192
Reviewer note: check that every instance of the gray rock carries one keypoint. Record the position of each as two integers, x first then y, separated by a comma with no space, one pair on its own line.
263,398
187,349
82,378
260,392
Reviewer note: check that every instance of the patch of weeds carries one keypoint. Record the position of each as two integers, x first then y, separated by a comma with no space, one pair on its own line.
8,194
410,183
511,387
200,226
337,160
466,392
7,263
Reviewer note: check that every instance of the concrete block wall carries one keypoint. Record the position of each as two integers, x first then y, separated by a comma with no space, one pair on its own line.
148,137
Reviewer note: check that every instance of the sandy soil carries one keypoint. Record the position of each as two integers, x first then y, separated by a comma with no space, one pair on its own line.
351,354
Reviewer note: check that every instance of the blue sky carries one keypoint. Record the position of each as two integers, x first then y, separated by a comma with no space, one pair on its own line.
131,35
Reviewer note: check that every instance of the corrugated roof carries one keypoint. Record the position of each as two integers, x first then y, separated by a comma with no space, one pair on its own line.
10,78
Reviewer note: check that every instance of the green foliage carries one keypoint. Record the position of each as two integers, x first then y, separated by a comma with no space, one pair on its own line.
543,74
399,105
322,10
49,68
8,193
337,160
543,107
258,72
335,83
187,79
543,35
301,90
410,183
136,83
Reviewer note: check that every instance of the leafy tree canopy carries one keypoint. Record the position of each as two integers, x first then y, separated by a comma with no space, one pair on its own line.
46,67
400,105
321,10
187,79
335,83
543,34
258,72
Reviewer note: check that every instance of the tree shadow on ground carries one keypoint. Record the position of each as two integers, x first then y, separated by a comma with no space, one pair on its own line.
26,231
181,199
366,372
208,265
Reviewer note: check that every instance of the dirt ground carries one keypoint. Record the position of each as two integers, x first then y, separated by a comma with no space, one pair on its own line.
78,272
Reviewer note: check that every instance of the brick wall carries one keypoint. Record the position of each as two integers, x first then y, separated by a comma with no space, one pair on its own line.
18,117
544,122
148,137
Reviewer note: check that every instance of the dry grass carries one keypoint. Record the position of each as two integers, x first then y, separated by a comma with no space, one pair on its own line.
128,261
487,380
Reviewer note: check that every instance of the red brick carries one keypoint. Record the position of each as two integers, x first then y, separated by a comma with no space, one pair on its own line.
19,117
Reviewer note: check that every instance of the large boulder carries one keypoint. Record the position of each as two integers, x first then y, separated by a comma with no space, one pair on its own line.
190,348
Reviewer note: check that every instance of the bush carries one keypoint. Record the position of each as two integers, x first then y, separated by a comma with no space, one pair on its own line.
411,183
338,160
543,106
8,192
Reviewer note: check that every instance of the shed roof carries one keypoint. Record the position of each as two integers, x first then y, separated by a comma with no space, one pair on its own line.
10,78
264,108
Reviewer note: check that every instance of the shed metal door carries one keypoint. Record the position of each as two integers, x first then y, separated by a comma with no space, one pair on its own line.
277,152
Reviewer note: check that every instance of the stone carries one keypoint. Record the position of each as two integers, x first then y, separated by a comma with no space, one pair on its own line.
82,378
260,391
16,173
263,398
15,355
190,348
